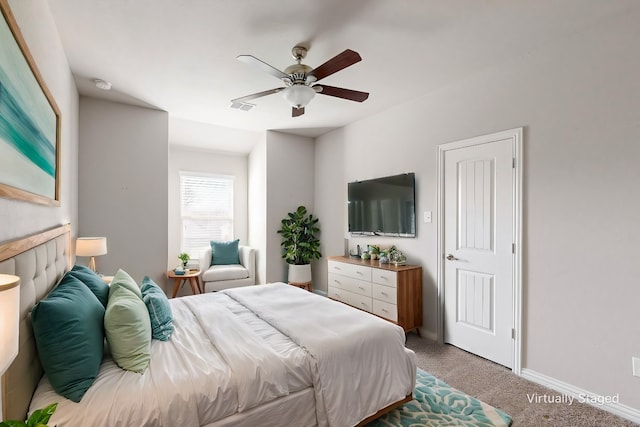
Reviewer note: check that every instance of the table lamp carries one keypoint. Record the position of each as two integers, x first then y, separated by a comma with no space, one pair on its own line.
91,247
9,322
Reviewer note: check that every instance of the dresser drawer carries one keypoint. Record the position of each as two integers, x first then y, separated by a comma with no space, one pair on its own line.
385,277
385,293
350,284
350,270
386,310
355,300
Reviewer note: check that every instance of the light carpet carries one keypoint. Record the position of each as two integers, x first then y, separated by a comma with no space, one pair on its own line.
437,404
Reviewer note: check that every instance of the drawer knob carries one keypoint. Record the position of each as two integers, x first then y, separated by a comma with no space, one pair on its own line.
384,293
382,277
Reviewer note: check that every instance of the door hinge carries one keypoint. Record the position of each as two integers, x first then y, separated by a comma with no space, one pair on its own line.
513,333
513,248
513,163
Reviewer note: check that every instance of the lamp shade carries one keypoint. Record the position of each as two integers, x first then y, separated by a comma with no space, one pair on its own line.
298,95
9,319
91,246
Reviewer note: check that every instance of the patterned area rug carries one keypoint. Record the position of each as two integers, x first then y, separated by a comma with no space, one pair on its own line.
437,404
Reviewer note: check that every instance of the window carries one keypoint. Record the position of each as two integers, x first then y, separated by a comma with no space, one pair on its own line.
206,210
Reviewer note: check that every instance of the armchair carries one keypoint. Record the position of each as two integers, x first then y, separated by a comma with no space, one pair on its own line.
219,277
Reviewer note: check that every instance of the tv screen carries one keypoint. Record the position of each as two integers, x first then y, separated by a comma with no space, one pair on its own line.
383,206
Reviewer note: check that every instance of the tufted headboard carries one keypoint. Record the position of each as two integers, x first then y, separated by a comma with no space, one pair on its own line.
39,260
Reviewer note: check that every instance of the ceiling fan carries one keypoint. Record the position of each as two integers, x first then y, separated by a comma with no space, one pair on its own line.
300,79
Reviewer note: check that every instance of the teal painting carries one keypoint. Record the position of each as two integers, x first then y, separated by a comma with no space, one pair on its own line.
29,122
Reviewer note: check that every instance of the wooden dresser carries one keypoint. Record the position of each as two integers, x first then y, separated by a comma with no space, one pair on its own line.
391,292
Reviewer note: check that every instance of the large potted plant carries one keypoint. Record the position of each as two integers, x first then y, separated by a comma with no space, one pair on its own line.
300,244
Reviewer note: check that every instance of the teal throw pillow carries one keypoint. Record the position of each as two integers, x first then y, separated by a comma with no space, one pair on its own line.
225,253
159,309
94,282
122,279
128,330
69,333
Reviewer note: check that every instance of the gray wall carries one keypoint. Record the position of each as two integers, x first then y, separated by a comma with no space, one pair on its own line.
18,218
578,101
123,178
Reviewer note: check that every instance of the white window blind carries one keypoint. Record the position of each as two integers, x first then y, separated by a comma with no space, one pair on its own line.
206,210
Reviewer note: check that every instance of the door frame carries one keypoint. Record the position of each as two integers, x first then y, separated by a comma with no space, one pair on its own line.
516,137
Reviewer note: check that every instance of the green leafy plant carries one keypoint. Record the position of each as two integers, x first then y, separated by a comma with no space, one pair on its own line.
39,418
300,243
184,257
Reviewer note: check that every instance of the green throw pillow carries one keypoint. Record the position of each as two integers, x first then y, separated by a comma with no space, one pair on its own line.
225,253
94,282
159,309
69,334
128,330
122,279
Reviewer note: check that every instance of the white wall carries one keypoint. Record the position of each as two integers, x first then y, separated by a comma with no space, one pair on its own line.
123,175
290,177
280,179
257,216
193,160
578,101
18,218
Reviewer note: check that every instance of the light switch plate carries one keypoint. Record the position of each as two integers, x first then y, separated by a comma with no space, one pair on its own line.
427,216
636,366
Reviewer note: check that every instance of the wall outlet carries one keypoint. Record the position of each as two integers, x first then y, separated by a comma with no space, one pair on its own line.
636,366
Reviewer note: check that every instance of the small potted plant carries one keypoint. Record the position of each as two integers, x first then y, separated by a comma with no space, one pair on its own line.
184,257
300,244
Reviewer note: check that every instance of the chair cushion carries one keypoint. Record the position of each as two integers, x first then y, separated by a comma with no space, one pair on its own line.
69,334
159,309
223,253
225,272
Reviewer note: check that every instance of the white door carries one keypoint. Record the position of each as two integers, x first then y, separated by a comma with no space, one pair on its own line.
478,227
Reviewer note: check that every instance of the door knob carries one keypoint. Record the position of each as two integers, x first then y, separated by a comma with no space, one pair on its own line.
451,258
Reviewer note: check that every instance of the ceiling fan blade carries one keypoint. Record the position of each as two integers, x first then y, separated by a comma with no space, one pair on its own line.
338,92
296,112
335,64
252,60
257,95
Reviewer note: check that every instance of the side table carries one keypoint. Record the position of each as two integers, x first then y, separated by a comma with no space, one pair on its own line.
303,285
192,277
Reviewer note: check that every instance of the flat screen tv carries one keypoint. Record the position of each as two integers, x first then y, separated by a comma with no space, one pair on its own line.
383,206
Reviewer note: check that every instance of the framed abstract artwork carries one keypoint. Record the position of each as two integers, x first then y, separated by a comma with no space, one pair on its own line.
29,122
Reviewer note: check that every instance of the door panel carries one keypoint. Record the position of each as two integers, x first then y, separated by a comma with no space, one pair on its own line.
478,238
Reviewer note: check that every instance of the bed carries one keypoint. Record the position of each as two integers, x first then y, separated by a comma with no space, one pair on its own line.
301,357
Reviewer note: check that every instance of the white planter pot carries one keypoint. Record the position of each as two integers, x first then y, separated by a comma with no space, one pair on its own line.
299,273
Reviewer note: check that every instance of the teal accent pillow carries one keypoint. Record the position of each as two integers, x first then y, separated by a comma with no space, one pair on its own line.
69,334
122,279
94,282
128,330
225,253
159,309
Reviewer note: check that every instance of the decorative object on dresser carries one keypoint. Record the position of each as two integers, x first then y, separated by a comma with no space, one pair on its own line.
391,292
91,247
300,245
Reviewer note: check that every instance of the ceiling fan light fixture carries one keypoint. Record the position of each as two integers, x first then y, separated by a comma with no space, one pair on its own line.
299,95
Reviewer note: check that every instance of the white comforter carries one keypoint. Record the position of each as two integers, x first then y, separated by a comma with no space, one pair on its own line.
235,350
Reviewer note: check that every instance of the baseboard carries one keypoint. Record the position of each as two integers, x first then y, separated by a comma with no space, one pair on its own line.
579,394
428,334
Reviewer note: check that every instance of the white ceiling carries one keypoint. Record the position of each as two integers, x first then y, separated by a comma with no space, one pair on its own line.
180,55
